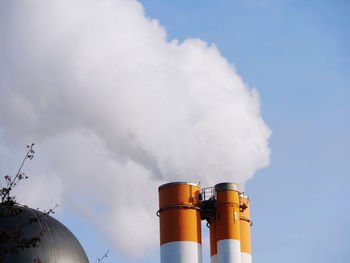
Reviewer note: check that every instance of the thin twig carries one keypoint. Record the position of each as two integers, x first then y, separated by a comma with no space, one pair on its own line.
99,260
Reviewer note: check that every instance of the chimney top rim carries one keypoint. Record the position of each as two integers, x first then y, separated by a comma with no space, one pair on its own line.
226,186
175,183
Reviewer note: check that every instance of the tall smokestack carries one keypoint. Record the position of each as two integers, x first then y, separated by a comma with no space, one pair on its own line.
246,250
180,223
228,223
213,244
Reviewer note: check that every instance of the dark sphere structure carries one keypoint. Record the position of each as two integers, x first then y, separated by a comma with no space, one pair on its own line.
28,235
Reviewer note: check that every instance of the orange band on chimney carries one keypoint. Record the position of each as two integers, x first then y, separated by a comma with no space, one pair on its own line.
245,226
179,213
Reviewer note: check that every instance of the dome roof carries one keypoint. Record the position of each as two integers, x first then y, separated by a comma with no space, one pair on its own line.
56,245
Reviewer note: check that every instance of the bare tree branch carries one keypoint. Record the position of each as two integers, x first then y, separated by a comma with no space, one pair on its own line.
100,260
10,183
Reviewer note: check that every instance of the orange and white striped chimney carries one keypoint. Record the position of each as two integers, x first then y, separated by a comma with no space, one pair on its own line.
213,244
228,223
246,250
180,223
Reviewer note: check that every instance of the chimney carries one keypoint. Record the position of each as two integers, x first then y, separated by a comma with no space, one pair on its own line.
183,205
180,223
228,223
245,223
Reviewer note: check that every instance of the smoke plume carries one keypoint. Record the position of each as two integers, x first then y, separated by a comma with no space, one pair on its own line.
116,109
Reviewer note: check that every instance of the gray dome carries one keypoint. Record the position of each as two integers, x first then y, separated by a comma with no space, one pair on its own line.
56,245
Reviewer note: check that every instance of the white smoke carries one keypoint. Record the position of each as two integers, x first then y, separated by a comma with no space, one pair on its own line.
117,110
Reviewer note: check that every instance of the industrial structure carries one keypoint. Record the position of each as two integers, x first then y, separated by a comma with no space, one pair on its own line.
28,235
182,207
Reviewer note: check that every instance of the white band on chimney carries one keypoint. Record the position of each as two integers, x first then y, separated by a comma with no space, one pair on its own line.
214,258
229,251
246,258
181,252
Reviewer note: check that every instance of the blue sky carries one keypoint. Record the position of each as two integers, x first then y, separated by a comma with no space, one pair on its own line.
297,55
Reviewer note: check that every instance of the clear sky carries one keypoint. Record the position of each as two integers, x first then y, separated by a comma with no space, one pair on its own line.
297,55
